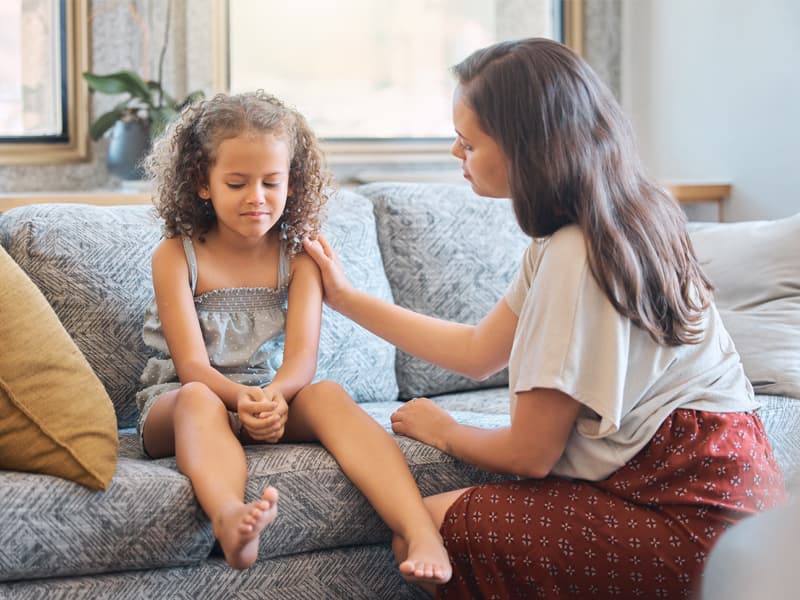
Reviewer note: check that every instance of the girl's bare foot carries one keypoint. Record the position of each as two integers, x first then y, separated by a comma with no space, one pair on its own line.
426,559
239,526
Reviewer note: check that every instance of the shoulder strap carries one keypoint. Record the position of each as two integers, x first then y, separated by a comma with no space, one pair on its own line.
284,268
191,260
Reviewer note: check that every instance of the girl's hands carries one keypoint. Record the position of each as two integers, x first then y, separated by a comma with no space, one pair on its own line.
333,278
421,419
262,413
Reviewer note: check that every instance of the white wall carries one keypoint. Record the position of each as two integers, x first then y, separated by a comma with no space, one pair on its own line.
713,89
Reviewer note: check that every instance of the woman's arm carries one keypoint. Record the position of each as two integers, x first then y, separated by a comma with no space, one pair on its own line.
180,325
529,447
303,322
476,351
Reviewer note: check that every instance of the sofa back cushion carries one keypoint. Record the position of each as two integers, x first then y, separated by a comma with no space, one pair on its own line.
450,254
755,267
92,263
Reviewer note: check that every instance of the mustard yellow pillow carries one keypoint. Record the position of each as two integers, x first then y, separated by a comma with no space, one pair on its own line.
55,416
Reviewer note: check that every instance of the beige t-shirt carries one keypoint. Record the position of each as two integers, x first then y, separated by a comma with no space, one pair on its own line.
569,337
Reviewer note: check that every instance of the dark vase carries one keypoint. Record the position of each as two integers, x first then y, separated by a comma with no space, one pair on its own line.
129,143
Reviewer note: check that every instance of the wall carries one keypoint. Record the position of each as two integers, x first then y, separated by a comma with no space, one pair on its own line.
713,89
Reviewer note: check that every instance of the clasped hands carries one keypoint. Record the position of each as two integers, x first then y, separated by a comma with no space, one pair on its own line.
262,413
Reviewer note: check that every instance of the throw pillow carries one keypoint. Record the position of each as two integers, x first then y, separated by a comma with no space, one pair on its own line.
55,415
755,267
450,254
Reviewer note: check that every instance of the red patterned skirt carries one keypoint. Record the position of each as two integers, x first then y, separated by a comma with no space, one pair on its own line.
644,532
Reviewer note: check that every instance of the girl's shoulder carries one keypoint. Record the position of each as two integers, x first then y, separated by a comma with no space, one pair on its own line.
169,251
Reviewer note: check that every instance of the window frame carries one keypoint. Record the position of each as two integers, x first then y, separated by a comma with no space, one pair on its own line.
72,145
358,151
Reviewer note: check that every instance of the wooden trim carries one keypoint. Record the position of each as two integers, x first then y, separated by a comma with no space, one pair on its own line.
76,149
701,193
110,198
573,24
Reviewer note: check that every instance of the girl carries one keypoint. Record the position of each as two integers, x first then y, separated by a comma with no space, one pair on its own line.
240,180
632,423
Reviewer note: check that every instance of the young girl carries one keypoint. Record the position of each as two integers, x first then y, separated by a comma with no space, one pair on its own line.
236,321
632,422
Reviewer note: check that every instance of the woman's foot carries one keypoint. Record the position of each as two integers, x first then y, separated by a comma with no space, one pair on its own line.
239,526
426,559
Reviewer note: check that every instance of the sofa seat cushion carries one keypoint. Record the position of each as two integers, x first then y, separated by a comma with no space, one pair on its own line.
149,517
92,263
781,417
450,254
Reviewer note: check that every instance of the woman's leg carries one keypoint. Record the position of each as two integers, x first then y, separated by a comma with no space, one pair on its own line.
193,424
372,460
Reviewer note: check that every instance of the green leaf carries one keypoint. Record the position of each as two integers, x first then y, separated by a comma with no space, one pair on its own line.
159,119
191,98
120,82
104,122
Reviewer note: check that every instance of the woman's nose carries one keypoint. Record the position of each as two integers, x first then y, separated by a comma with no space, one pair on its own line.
455,150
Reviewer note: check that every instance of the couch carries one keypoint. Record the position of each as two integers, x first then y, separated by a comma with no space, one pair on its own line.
434,248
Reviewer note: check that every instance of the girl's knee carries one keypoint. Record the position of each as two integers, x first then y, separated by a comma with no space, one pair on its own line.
327,391
196,397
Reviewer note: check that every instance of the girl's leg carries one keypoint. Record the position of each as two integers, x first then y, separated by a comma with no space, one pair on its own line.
193,424
375,464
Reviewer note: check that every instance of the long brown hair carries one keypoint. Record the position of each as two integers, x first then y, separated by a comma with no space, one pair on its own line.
181,159
572,159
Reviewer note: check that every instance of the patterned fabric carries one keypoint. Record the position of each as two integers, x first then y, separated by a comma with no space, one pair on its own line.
450,254
243,331
149,517
643,532
93,265
781,418
363,573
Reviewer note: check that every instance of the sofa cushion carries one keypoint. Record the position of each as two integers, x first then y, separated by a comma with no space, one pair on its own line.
93,265
755,267
361,362
55,416
149,517
450,254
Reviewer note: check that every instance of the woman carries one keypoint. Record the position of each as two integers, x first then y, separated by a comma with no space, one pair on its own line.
633,426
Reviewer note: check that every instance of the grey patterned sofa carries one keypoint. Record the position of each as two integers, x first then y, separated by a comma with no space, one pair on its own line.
434,248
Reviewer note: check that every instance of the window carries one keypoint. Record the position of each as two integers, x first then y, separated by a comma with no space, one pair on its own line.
42,102
373,77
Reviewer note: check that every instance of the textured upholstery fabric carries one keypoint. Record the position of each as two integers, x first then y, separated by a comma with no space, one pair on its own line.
781,417
360,573
55,416
361,362
149,517
755,267
93,265
447,253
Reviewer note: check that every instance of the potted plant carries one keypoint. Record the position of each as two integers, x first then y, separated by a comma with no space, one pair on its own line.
136,120
140,117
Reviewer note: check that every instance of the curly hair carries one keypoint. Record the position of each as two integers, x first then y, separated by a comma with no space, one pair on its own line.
181,158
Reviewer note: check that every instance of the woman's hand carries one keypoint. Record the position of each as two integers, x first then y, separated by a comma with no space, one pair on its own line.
333,278
262,413
423,420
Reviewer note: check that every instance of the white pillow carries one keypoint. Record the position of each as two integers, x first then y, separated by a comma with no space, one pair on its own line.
755,268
